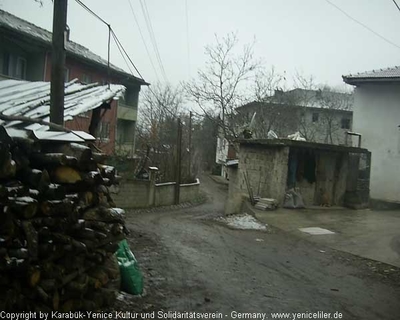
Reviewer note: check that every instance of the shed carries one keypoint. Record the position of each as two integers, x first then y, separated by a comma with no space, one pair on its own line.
325,175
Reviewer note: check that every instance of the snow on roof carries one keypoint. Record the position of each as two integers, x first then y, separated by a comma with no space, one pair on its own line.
32,99
388,74
21,26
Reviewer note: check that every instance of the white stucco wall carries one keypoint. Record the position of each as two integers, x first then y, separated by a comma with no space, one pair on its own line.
377,117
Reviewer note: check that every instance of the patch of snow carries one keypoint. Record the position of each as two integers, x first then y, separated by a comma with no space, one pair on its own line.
23,199
316,231
244,222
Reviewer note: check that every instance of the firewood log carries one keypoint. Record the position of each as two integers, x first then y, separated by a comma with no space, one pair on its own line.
99,274
99,157
8,168
54,192
66,175
104,214
49,298
57,208
33,276
17,191
32,239
47,284
94,283
107,171
79,285
20,157
21,253
92,178
35,178
82,153
43,160
7,225
24,207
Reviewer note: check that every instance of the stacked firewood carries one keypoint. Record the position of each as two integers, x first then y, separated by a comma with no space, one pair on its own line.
59,226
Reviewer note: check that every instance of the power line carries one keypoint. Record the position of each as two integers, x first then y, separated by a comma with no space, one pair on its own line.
123,49
394,1
90,11
152,37
123,52
144,42
155,40
363,25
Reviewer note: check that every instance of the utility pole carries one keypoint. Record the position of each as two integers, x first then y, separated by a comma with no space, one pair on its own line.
178,161
58,62
190,143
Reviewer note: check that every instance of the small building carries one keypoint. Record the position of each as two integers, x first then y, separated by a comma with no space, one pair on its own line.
322,116
318,115
377,119
324,174
25,54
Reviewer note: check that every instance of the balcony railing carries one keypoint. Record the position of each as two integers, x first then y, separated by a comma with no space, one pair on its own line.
126,112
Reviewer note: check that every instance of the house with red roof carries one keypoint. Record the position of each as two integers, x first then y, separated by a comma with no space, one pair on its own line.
25,54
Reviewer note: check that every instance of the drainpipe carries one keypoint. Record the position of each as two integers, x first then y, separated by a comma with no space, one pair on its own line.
350,133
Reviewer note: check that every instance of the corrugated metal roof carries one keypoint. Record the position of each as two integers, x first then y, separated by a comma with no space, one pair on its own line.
32,99
21,26
388,74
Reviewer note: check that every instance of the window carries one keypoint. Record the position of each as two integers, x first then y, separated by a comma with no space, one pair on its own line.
86,79
315,117
66,74
6,63
20,68
14,66
345,123
104,131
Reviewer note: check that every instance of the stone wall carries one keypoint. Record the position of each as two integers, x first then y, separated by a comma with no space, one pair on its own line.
266,169
165,194
133,193
189,192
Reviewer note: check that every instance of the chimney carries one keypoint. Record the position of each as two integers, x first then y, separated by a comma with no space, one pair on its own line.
66,34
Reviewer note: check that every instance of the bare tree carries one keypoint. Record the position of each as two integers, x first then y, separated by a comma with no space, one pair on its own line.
156,129
218,88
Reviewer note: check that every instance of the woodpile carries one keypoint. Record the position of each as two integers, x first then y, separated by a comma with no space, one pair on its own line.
59,228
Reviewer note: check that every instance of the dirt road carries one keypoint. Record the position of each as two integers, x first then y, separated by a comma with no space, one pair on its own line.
193,263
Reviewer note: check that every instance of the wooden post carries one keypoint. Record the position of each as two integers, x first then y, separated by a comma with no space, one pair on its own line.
178,161
190,143
58,62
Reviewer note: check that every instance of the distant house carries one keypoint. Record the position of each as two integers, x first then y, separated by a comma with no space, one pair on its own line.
318,115
377,119
25,53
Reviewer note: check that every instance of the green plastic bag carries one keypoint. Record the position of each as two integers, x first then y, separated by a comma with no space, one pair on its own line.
131,276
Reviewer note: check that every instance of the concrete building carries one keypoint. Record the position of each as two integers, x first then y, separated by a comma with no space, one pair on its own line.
25,53
324,174
318,115
377,119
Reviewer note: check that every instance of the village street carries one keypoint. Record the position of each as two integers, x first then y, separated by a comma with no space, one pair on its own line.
193,263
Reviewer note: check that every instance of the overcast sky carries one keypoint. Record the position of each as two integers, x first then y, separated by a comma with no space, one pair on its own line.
308,36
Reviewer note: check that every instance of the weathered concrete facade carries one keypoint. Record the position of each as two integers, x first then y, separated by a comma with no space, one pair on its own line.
325,174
